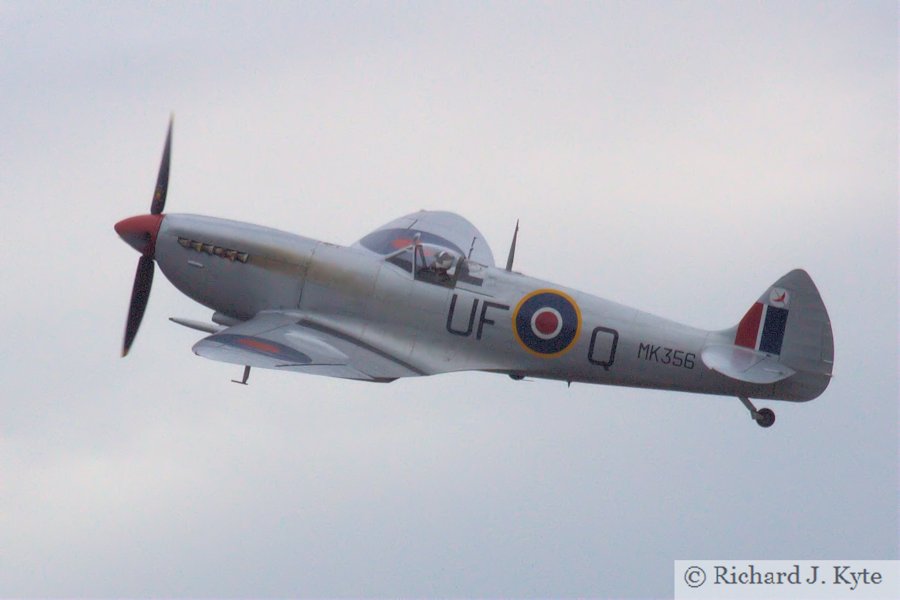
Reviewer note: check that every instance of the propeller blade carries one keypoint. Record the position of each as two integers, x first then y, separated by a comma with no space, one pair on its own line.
140,293
162,180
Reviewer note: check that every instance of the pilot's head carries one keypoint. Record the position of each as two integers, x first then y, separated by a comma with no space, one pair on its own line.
443,260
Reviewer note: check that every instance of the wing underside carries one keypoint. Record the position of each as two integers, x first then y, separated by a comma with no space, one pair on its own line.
290,342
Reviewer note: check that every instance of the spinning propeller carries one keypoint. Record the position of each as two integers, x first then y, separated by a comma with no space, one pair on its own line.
140,233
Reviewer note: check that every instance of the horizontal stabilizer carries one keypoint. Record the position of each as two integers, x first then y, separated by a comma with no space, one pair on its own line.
745,364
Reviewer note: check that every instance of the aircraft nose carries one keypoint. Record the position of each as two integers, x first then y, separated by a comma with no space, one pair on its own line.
140,232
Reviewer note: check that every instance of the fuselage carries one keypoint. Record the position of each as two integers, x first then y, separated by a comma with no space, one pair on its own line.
486,319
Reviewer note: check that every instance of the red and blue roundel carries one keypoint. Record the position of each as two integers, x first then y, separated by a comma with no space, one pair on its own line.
547,322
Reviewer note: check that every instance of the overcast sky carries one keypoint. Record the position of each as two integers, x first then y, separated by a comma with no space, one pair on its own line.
675,157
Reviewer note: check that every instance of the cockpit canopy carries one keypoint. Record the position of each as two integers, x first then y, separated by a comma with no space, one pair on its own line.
429,262
440,228
429,246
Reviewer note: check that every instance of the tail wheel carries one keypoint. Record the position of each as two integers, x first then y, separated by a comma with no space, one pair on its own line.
766,417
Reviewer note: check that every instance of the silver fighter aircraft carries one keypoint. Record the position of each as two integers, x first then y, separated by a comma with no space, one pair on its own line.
422,295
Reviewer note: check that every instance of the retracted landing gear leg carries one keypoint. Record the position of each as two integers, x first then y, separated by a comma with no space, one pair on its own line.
764,417
245,378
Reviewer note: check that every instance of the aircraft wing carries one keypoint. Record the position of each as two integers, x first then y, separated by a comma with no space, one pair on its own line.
289,342
440,228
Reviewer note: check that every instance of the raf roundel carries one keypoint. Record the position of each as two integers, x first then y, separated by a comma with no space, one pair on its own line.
547,322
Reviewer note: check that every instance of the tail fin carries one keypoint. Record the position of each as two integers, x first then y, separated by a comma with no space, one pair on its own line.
786,335
789,320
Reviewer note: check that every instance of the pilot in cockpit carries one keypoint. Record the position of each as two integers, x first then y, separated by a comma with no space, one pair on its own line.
443,261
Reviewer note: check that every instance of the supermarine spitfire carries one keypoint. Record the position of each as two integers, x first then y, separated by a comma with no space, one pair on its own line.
422,295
